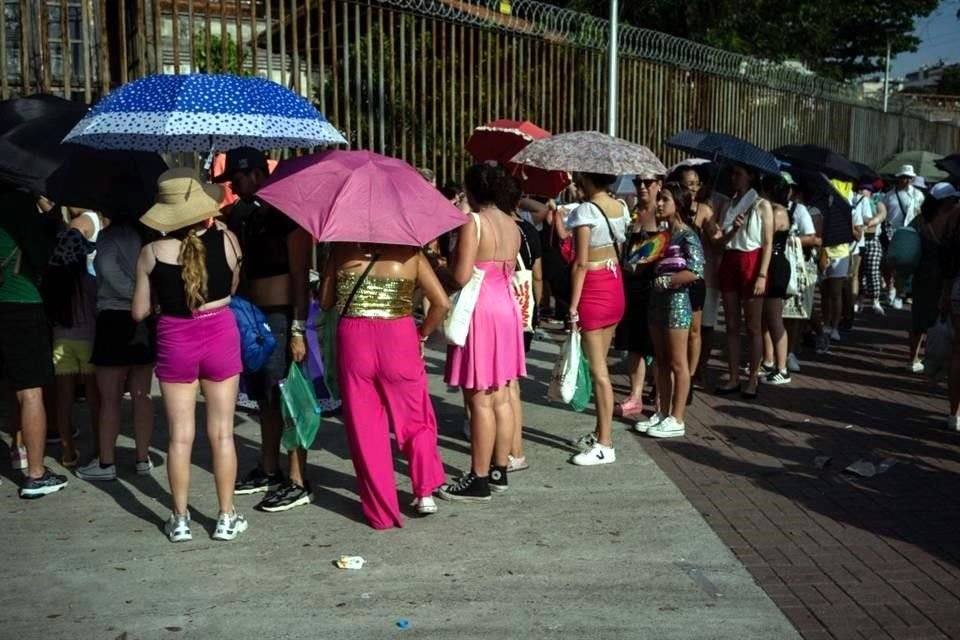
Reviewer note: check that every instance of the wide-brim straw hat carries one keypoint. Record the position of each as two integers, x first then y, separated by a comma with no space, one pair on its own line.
182,201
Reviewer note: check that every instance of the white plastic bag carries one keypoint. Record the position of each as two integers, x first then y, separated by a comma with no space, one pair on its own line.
523,292
563,382
456,325
794,255
939,348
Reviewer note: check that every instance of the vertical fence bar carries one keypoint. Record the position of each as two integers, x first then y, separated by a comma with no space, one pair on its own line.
67,52
141,39
207,39
25,46
175,28
238,30
283,42
191,55
308,47
381,91
400,112
357,77
371,142
473,64
268,18
422,125
254,37
103,48
44,48
322,29
224,40
85,37
395,61
346,72
295,45
441,70
334,64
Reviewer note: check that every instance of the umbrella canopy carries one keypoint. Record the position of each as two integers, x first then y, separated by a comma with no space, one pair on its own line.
687,162
923,162
201,112
590,152
32,156
810,156
837,212
866,173
360,196
950,164
500,140
720,146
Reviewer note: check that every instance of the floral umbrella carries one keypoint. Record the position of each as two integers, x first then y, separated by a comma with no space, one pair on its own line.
592,152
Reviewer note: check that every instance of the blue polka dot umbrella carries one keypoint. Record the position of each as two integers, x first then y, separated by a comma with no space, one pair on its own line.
201,112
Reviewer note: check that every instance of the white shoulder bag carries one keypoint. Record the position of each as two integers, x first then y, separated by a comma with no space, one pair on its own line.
456,325
523,291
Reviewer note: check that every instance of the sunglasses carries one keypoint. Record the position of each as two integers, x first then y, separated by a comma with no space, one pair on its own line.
645,183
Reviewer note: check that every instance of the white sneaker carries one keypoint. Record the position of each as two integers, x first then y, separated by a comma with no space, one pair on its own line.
916,367
93,471
891,296
425,505
856,307
597,454
878,309
835,335
669,428
144,468
644,426
897,303
953,423
585,442
229,526
177,528
793,365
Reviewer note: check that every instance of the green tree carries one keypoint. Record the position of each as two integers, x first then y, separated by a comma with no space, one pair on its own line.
233,63
841,41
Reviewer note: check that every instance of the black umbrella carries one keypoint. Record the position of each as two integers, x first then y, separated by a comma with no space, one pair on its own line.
837,213
810,156
866,173
950,164
32,156
720,146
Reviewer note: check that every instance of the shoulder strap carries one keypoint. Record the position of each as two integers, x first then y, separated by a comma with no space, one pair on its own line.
476,220
95,221
356,287
613,238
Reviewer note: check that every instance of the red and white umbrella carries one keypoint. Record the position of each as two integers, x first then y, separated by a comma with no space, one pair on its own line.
500,140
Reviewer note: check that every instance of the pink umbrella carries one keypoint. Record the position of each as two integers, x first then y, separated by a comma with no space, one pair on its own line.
360,196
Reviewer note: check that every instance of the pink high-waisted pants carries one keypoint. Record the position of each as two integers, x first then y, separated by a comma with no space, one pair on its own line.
383,383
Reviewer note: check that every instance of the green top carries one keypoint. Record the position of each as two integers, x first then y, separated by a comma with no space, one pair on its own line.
22,229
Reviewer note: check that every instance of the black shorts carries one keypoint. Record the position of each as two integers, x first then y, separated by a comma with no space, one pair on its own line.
26,355
121,341
698,295
264,385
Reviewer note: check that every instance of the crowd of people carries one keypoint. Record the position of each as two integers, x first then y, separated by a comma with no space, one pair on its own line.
109,303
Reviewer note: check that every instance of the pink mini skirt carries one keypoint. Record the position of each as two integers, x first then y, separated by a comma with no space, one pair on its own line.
204,347
602,301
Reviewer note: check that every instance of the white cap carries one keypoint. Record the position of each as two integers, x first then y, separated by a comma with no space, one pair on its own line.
943,191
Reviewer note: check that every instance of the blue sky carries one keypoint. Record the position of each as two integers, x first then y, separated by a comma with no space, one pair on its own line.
939,34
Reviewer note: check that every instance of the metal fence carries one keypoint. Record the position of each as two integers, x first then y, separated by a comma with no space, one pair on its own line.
411,78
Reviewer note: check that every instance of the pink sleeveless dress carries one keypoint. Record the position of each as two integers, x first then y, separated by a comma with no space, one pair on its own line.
493,354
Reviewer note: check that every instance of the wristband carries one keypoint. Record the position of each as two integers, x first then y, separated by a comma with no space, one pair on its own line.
762,275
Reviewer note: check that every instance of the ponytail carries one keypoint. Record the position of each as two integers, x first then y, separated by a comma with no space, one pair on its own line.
193,258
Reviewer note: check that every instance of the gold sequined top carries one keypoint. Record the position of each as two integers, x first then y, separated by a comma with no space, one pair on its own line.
381,298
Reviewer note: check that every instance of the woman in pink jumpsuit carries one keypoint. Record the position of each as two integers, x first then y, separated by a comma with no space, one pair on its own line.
382,378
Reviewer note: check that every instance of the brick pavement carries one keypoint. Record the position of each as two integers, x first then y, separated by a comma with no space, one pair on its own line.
842,556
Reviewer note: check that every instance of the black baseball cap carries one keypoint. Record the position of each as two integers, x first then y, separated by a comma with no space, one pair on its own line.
242,159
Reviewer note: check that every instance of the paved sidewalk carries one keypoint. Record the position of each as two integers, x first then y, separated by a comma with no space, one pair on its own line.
842,556
611,552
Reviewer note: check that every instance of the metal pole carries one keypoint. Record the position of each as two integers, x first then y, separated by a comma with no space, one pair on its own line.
612,92
886,80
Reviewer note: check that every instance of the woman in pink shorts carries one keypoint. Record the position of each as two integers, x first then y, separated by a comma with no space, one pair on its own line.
597,301
192,273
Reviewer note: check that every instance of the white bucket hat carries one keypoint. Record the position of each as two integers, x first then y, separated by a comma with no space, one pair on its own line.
182,201
906,171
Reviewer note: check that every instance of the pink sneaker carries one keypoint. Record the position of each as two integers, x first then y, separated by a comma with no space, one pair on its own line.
628,408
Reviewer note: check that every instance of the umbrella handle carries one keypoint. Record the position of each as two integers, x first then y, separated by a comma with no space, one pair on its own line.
205,173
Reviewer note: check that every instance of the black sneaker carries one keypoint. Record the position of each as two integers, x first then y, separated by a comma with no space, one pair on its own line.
777,377
287,497
469,488
498,479
38,487
257,481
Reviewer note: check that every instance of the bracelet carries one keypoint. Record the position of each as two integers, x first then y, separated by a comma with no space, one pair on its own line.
573,315
298,327
761,275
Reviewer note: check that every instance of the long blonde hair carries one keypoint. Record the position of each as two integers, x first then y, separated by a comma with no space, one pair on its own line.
193,258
